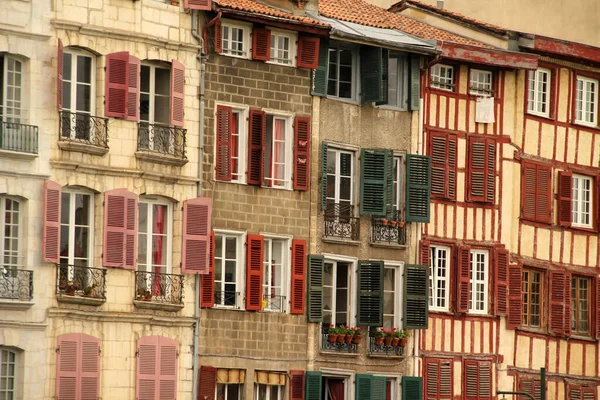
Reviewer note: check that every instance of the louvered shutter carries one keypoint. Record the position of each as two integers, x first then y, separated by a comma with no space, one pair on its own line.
319,75
59,75
370,293
197,217
446,381
536,192
373,181
301,153
298,276
565,183
501,282
378,388
120,229
308,52
313,385
575,393
385,56
557,302
364,385
256,146
315,288
177,112
167,368
530,386
207,281
371,70
485,380
412,388
324,175
90,367
515,297
415,82
254,272
203,5
463,275
418,183
597,282
528,191
471,376
218,37
261,44
425,255
442,148
208,382
588,393
544,194
438,379
296,385
68,370
116,86
567,302
482,170
416,296
51,229
225,122
133,89
147,367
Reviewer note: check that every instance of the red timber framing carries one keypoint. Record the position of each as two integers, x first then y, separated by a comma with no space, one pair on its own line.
495,57
562,48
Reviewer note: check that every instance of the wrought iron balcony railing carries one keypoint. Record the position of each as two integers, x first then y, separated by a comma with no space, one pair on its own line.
162,139
337,343
75,280
340,222
159,288
83,128
385,346
18,137
388,230
227,299
16,284
273,302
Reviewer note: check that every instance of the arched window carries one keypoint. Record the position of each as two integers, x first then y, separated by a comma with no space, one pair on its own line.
8,373
12,89
155,234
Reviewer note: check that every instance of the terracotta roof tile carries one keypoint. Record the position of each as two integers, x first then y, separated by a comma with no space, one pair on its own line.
259,8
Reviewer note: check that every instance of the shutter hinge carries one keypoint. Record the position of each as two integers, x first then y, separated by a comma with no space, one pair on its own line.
177,354
99,350
137,353
57,350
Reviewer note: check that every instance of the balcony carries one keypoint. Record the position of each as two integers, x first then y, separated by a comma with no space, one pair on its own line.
18,140
158,291
273,302
337,343
388,347
161,144
83,133
16,288
340,222
388,231
81,285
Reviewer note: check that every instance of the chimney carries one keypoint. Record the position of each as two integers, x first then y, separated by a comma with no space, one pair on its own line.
440,3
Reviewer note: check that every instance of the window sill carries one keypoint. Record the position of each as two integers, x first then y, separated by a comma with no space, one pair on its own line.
343,100
82,148
244,57
371,355
340,354
340,241
548,117
585,124
151,305
583,338
160,158
291,65
89,301
18,154
391,108
15,304
388,245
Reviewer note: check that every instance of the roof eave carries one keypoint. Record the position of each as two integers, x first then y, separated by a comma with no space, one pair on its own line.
345,36
279,22
561,48
494,57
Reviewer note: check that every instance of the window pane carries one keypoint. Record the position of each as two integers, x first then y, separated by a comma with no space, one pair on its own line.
84,69
84,98
67,66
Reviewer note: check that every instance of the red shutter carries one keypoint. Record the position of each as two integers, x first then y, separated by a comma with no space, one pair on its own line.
203,5
298,276
301,153
90,367
557,302
502,259
261,44
116,85
425,253
471,376
256,146
207,384
51,229
167,368
463,282
597,308
308,52
225,124
67,366
438,379
442,148
207,282
544,194
515,298
59,75
133,89
147,367
485,380
536,192
296,385
131,231
482,169
254,272
528,190
567,317
196,235
177,93
565,181
490,187
218,37
120,229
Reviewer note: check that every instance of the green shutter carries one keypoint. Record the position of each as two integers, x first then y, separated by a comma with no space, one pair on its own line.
412,388
371,71
385,55
370,293
323,175
416,300
315,288
364,385
415,81
418,182
319,81
313,385
379,386
374,174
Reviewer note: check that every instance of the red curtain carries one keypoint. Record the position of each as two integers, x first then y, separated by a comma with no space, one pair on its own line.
158,229
336,388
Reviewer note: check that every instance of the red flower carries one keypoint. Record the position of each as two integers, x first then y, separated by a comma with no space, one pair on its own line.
332,326
358,328
346,327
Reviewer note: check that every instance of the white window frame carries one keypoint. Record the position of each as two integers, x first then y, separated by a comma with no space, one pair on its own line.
338,151
4,116
348,376
352,275
398,181
280,394
15,377
151,201
19,224
477,87
240,391
288,153
398,267
439,77
292,37
355,83
240,283
246,42
475,281
535,93
152,92
286,270
74,52
581,103
578,201
72,196
242,135
401,87
434,280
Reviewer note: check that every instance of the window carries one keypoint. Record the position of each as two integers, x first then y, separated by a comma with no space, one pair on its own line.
229,391
397,81
282,48
337,292
10,210
442,148
238,148
538,92
439,278
391,296
236,39
391,389
438,379
8,367
11,89
480,83
341,81
155,93
154,235
477,380
442,77
228,269
580,310
278,152
275,270
532,297
78,83
582,201
340,177
268,392
334,388
478,283
586,101
397,184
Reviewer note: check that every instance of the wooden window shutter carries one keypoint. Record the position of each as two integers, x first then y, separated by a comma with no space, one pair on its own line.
557,302
225,121
515,297
482,170
442,148
588,393
501,285
378,388
490,188
256,146
438,379
597,281
298,276
385,56
218,37
207,383
90,367
120,229
296,385
167,368
531,386
261,44
371,71
133,89
324,150
574,393
412,388
60,59
418,184
471,376
254,272
370,293
202,5
207,281
528,191
536,192
565,183
78,367
567,316
364,384
319,75
425,255
177,94
156,372
197,217
301,153
313,385
51,229
415,82
315,289
544,194
416,296
308,52
373,181
116,86
463,278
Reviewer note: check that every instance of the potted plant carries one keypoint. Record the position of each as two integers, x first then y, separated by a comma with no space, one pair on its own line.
341,334
356,337
404,338
400,224
393,223
87,291
396,334
384,221
379,335
70,289
387,338
349,334
144,295
332,334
